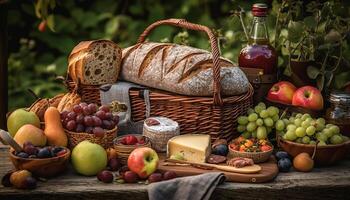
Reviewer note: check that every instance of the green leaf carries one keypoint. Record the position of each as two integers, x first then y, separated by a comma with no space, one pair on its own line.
295,30
332,36
320,81
51,22
310,22
112,26
312,72
341,79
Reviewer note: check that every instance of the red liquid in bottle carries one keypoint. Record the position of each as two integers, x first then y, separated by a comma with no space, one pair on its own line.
259,54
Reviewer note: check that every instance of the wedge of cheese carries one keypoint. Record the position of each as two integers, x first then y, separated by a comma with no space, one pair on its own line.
192,147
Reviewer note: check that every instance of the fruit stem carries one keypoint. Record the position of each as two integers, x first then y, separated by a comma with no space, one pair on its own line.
284,112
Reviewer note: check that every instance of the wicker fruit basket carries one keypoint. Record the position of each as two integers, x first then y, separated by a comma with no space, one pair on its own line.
216,115
257,157
124,151
106,141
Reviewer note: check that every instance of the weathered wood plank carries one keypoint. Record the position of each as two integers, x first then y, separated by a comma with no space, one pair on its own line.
322,183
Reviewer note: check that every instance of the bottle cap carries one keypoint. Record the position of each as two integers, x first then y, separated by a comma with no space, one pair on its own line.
259,9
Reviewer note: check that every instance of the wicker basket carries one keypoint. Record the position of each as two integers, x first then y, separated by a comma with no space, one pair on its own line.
88,93
124,151
216,116
75,138
257,157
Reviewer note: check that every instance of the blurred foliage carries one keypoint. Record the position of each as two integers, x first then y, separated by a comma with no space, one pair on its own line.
38,55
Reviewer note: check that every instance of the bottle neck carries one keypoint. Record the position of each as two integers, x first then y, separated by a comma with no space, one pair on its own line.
258,32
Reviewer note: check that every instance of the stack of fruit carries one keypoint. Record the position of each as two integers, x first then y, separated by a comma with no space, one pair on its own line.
259,122
88,118
302,128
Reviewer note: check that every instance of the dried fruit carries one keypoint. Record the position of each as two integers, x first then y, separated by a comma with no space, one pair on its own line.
155,177
105,176
130,177
169,175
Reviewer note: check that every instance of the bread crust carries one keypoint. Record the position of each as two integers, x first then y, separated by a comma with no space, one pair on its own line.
82,56
180,69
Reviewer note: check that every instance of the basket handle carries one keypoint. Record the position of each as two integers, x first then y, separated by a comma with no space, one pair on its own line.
217,100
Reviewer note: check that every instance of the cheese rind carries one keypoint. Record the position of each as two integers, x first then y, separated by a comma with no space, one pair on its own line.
192,147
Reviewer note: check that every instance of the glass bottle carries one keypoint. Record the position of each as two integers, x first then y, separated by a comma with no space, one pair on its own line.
259,54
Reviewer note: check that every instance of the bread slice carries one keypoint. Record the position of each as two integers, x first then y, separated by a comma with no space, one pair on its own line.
95,62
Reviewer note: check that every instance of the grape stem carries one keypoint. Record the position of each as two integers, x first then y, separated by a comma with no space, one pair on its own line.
284,113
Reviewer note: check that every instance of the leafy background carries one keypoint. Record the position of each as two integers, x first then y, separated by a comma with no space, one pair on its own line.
36,58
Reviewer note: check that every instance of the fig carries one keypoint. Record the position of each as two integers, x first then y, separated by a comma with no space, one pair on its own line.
29,183
155,177
114,164
105,176
169,175
130,177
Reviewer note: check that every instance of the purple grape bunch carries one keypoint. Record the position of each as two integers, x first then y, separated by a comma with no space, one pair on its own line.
89,118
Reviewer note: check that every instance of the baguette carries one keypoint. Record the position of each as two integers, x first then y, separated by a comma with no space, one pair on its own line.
179,69
95,62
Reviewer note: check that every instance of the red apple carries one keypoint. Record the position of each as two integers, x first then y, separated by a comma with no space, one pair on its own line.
282,92
308,97
143,161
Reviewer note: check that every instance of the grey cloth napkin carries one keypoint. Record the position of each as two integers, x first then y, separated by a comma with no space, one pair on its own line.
120,92
198,187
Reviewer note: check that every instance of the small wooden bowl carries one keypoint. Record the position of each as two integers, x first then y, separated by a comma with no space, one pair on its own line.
123,151
257,157
106,141
42,167
325,155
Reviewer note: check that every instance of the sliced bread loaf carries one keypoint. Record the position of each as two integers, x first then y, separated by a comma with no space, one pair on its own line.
95,62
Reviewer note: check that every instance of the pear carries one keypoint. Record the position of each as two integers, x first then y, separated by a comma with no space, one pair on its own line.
32,134
20,117
303,162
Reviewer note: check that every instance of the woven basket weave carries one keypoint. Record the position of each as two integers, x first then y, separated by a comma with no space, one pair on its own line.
88,93
106,141
216,116
257,157
124,151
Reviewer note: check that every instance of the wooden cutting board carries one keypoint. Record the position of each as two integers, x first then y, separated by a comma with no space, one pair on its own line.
268,172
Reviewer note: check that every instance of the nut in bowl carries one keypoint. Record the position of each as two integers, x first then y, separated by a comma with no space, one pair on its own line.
47,162
259,150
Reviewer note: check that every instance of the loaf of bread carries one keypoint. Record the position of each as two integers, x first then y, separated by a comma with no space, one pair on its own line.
95,62
179,69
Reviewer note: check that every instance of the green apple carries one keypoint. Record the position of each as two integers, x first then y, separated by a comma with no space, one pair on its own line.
89,158
20,117
143,161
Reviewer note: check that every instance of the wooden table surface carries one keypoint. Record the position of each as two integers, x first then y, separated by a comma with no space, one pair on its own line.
321,183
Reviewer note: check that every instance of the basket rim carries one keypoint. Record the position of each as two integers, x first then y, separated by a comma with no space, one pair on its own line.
174,97
252,153
147,140
84,133
328,146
